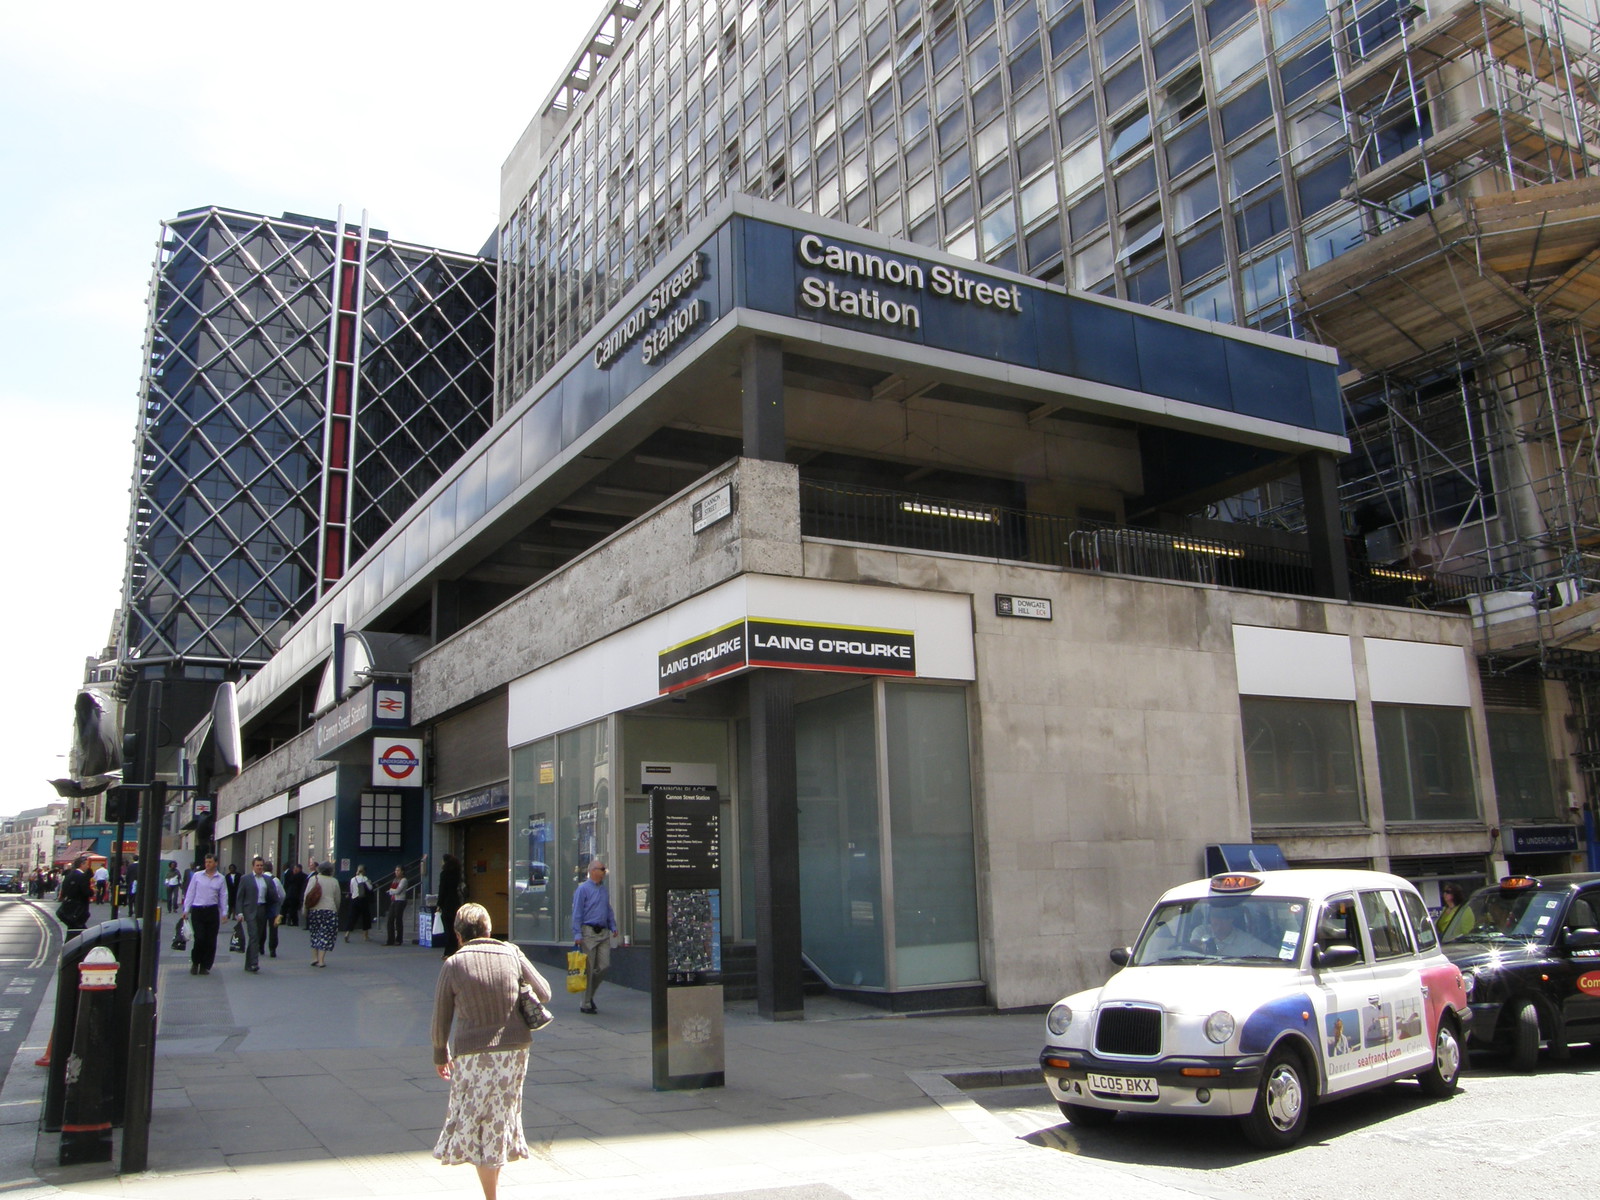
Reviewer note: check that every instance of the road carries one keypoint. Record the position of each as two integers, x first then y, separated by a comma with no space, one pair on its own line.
1501,1134
29,943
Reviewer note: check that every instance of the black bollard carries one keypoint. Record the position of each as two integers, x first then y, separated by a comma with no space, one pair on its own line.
88,1103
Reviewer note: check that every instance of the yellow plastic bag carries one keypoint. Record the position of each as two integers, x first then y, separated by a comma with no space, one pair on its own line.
577,970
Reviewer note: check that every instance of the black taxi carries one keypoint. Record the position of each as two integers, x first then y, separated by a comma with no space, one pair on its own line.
1532,963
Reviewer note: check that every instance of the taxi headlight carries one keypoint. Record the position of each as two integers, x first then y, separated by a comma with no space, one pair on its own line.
1219,1026
1058,1020
1469,982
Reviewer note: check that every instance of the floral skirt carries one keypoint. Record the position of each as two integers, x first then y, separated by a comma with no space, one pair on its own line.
484,1124
324,926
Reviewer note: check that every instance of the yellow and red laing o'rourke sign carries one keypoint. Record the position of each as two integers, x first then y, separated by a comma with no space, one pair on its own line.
793,645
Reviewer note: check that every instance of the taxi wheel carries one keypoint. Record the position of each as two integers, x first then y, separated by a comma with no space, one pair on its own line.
1439,1080
1525,1037
1283,1103
1085,1117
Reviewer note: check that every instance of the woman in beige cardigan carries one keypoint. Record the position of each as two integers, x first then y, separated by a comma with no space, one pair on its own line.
480,1044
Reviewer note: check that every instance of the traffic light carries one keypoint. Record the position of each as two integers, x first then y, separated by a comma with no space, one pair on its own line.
122,804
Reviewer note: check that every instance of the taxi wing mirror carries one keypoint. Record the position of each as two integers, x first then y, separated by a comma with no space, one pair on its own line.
1581,939
1323,957
1122,955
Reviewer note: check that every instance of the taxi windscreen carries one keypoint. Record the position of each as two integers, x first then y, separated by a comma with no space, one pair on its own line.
1506,915
1259,930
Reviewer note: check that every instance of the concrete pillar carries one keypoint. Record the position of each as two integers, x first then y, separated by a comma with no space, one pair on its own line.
1330,565
775,842
762,401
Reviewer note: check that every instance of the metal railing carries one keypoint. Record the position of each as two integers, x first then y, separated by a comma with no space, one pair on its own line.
904,520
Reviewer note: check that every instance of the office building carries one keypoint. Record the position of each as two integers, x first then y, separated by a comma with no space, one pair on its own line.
306,380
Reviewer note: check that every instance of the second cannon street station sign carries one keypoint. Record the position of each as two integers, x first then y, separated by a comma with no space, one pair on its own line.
799,645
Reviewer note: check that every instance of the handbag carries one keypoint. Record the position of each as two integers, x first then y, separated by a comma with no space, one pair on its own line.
438,925
531,1009
179,941
313,894
236,942
577,970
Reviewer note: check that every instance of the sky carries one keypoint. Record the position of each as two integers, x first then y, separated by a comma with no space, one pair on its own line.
114,116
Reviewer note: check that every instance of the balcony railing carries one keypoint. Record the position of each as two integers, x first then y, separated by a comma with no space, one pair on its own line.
877,517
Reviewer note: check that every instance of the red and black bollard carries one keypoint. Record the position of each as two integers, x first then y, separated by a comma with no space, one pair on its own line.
87,1107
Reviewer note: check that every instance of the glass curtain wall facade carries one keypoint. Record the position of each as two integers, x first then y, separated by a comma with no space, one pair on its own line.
1166,151
232,450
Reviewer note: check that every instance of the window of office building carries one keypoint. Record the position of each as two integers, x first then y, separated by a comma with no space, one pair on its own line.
1301,763
1425,763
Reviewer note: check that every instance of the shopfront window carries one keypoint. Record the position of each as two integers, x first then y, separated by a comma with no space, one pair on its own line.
533,794
1300,761
841,889
1425,762
560,814
1521,766
930,823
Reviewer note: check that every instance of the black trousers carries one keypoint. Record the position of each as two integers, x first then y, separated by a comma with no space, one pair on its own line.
203,928
397,924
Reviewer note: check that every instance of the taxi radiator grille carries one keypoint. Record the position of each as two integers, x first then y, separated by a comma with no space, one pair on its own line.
1129,1031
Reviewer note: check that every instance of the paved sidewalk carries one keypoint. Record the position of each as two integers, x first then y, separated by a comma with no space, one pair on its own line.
300,1081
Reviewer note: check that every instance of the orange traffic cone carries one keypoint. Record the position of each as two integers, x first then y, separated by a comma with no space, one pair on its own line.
50,1045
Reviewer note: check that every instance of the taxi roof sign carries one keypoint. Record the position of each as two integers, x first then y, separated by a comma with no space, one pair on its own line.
1518,883
1236,882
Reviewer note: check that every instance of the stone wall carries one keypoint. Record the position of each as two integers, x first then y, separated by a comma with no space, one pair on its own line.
653,564
1107,747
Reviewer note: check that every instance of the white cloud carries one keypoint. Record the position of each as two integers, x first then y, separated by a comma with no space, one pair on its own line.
120,115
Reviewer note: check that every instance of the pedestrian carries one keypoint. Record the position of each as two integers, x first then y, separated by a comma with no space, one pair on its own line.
321,907
274,910
396,928
593,923
1455,918
294,887
233,886
102,883
174,882
204,905
480,1044
75,893
362,897
450,900
254,901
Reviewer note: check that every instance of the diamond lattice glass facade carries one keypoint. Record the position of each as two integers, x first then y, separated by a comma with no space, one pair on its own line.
305,385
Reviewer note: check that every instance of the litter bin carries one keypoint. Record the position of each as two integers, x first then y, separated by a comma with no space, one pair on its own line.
121,937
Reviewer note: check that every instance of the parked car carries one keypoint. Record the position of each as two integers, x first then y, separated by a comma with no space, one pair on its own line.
12,881
1532,962
1257,995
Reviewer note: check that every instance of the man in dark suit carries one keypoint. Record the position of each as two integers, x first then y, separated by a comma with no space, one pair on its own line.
257,898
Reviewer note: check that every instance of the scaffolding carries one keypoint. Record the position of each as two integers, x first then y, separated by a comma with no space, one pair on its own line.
1469,320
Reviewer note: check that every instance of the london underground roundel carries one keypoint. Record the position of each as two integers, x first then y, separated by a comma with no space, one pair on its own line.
398,762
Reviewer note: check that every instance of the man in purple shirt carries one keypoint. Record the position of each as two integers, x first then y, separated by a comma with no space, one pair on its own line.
593,923
204,905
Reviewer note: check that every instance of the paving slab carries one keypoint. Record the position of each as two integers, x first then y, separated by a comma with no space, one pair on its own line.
298,1081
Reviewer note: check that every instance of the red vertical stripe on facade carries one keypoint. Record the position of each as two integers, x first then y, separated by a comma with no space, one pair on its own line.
341,390
339,445
336,495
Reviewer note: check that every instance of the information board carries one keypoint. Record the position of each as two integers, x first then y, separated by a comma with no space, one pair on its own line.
685,842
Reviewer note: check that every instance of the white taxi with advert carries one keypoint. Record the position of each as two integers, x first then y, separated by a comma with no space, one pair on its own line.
1256,995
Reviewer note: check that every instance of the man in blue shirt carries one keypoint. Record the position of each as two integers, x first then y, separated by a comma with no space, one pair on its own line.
593,923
